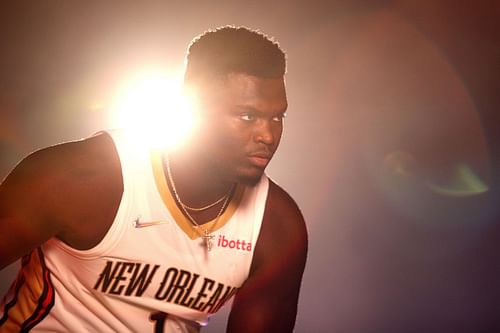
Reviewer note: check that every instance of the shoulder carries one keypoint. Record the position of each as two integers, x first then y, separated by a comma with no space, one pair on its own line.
281,206
49,182
64,162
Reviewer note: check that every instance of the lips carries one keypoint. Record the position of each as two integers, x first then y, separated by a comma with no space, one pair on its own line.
260,160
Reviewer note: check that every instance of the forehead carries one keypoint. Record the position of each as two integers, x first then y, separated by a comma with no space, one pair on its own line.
248,90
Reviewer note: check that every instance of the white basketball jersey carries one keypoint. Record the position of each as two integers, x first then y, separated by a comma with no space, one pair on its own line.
150,273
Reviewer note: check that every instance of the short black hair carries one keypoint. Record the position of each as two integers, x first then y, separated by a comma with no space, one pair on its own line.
231,49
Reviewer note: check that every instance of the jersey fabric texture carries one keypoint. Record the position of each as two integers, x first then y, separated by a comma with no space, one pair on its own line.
150,273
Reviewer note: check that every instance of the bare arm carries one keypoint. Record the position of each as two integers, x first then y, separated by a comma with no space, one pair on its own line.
267,302
24,201
51,194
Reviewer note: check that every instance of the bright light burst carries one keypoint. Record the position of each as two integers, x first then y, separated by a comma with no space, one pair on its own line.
152,108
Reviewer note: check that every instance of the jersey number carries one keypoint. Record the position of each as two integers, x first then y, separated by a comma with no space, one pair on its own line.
159,319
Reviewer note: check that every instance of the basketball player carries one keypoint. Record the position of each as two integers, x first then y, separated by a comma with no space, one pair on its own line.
115,237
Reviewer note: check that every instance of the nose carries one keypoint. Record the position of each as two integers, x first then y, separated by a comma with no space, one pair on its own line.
265,132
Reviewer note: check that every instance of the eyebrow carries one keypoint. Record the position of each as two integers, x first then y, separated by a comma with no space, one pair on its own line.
255,110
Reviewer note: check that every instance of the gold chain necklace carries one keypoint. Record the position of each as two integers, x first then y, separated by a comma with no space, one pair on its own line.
207,234
194,209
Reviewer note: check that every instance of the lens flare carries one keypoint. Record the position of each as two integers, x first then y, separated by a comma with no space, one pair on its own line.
464,182
461,180
153,108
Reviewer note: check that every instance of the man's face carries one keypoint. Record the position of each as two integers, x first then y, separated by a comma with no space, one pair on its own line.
241,125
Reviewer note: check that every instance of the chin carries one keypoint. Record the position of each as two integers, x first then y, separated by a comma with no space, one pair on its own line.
250,179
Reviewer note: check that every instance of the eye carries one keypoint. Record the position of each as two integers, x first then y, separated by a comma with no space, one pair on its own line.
247,116
279,117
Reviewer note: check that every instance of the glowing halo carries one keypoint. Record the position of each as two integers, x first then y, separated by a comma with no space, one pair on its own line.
152,107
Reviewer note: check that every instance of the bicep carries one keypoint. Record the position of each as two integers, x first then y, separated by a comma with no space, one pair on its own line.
23,224
266,304
17,238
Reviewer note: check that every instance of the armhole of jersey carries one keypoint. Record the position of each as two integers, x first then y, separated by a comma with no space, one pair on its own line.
261,195
115,231
260,205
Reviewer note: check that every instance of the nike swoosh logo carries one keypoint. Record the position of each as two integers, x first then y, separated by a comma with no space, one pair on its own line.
140,224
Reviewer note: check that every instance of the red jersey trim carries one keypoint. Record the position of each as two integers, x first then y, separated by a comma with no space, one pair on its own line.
33,297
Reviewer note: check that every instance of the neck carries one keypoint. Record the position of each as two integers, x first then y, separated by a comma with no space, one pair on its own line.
196,183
